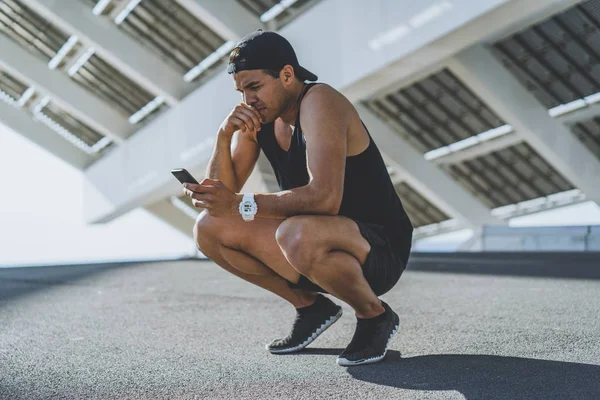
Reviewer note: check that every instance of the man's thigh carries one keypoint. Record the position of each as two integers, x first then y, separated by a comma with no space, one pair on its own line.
258,238
377,256
255,238
320,234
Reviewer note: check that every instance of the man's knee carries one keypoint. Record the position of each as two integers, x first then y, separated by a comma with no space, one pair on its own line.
297,238
207,232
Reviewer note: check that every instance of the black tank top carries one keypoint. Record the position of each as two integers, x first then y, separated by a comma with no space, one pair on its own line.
369,195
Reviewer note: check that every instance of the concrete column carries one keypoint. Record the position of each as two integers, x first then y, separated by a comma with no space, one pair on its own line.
168,213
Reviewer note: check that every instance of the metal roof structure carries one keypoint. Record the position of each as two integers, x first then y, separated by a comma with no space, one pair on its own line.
588,132
105,81
558,60
421,211
509,176
169,30
23,96
30,30
99,81
12,87
437,111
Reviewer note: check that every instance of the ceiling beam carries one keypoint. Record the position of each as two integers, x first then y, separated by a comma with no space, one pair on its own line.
228,18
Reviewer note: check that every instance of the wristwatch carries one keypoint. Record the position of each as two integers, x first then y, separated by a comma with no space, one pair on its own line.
248,207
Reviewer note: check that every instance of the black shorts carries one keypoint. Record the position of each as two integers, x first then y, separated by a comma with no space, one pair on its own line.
384,264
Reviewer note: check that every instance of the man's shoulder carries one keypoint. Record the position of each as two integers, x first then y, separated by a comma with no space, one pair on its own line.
324,97
322,90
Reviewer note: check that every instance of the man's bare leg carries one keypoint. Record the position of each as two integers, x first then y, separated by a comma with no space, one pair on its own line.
208,234
330,251
229,243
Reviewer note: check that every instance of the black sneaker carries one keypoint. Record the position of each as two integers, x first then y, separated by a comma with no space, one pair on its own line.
371,338
310,322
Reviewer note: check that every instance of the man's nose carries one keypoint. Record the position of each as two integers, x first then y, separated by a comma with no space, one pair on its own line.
250,100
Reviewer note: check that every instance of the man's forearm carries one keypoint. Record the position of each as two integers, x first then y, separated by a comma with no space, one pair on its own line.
304,200
220,166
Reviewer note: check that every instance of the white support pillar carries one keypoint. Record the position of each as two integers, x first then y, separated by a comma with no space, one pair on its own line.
63,91
168,213
503,93
120,50
21,122
228,18
435,185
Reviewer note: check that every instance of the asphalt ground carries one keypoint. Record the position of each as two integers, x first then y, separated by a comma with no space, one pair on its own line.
189,330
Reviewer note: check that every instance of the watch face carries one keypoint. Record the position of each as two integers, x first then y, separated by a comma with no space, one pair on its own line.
248,208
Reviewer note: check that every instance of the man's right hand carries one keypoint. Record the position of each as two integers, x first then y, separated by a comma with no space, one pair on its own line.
242,118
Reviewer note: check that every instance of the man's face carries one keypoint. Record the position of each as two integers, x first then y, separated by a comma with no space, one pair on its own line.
261,91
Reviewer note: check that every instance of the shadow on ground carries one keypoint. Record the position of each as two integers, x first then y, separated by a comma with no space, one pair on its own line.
484,376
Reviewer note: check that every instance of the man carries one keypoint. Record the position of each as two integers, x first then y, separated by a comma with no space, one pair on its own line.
337,226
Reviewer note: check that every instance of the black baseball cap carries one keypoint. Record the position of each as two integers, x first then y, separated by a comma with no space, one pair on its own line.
267,50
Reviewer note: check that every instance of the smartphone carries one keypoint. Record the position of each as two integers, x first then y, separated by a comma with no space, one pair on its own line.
183,176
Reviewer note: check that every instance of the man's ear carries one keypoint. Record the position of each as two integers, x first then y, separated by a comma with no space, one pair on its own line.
287,74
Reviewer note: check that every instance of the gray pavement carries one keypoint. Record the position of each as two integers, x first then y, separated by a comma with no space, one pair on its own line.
189,330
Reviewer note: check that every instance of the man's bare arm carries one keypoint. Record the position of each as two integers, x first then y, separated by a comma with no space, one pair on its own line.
220,166
236,149
324,118
233,160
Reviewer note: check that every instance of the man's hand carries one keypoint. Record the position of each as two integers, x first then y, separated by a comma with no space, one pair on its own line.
242,118
216,198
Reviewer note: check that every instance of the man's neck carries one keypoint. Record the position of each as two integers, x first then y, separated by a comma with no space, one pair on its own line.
290,114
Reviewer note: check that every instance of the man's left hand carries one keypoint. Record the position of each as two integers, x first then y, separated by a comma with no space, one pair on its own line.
214,196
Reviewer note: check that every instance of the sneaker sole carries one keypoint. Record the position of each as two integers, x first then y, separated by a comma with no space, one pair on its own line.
347,363
310,339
